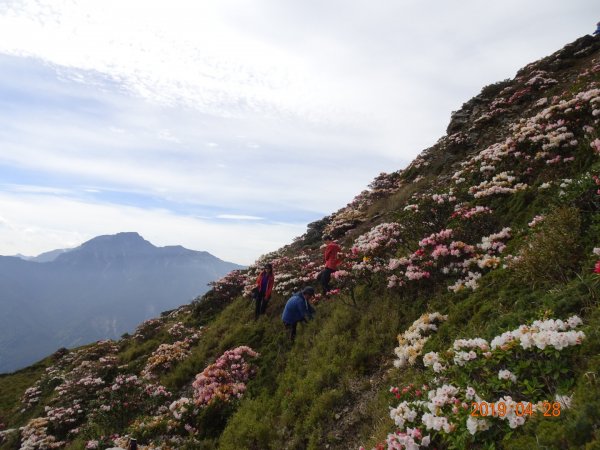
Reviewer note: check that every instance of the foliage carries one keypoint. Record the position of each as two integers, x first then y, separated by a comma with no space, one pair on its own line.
551,254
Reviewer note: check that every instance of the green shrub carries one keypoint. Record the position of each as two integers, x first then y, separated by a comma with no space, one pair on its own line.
551,254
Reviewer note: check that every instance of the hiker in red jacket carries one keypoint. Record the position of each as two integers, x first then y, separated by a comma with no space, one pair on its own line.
264,286
333,259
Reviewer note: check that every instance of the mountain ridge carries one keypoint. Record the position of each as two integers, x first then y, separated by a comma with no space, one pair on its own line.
98,283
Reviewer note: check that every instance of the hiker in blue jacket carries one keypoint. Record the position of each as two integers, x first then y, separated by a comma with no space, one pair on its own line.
597,32
298,309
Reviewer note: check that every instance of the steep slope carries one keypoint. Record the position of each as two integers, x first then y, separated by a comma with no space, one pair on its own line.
98,290
482,256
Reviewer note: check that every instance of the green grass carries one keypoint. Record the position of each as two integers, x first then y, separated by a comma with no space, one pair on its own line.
12,387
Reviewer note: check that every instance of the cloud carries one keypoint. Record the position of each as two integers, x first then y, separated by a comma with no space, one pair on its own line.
112,142
238,217
62,223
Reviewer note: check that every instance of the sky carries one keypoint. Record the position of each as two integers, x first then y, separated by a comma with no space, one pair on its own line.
229,125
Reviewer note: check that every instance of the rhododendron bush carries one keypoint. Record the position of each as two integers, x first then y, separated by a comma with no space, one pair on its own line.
226,379
126,397
229,286
179,421
72,384
528,366
378,239
411,342
293,273
167,355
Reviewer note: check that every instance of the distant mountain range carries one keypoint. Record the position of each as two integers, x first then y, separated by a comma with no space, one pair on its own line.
99,290
45,257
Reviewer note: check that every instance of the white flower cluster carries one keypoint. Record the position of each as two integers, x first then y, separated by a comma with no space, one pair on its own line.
470,281
540,80
444,197
489,261
438,398
412,340
382,236
462,357
445,405
491,244
564,400
31,396
559,137
433,360
502,183
542,334
548,133
408,440
474,425
514,420
180,407
493,241
403,413
35,435
507,375
465,212
164,357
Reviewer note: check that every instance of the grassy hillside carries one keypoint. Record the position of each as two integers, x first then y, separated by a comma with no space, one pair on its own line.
466,313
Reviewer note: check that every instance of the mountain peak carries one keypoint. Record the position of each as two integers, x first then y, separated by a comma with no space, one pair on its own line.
110,246
124,236
122,239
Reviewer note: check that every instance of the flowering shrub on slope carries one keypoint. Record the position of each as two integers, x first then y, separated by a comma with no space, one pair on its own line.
536,144
229,286
225,379
166,356
477,389
292,273
74,380
411,342
378,239
127,397
440,255
180,422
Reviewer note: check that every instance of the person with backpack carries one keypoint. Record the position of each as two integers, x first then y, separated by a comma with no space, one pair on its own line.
298,309
333,259
263,289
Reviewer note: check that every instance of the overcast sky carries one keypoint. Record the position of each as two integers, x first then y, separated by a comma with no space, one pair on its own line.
226,125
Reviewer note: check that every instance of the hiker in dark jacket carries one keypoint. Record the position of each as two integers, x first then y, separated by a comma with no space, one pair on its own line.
298,309
597,32
264,287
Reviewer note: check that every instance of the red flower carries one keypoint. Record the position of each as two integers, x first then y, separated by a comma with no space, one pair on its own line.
597,267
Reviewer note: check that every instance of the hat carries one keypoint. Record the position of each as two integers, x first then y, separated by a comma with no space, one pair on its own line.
308,290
